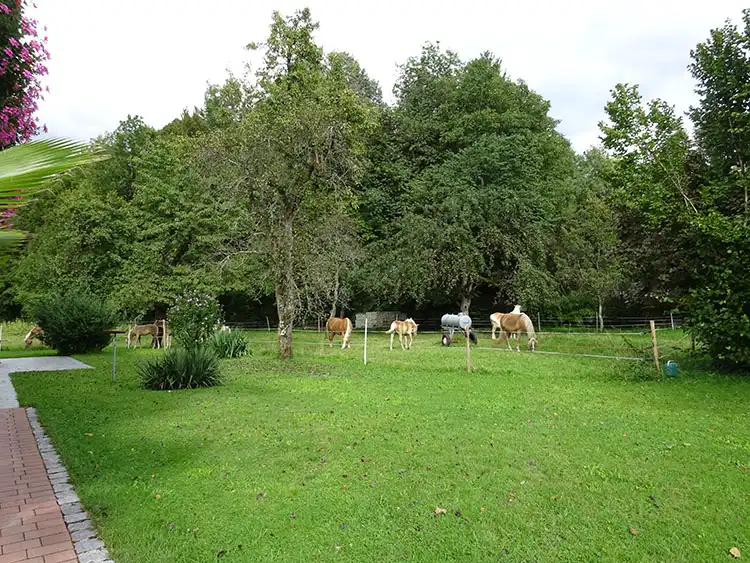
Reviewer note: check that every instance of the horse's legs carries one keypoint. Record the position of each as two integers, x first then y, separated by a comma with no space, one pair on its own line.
401,340
518,342
494,328
392,335
330,336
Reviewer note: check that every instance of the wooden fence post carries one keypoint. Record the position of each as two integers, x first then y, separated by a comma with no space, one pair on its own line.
365,340
655,348
671,318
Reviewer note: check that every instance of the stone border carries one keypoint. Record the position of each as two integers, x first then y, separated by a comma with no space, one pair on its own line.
89,548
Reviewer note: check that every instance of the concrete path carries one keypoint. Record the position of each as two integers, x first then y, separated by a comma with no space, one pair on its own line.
8,399
41,517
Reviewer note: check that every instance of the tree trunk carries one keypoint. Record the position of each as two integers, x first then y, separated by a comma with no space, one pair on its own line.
465,302
286,289
335,293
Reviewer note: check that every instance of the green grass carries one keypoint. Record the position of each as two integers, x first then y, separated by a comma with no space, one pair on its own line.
547,458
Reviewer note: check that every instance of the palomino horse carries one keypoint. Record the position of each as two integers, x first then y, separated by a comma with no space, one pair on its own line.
513,323
337,325
35,332
141,330
407,328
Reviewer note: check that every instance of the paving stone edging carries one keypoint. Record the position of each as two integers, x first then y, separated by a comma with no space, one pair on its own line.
89,548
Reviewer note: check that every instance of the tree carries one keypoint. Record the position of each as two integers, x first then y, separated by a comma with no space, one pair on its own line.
125,145
719,316
586,251
486,169
651,194
295,158
22,62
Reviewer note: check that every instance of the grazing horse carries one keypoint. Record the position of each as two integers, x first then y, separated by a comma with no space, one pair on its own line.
141,330
513,323
337,325
407,328
35,332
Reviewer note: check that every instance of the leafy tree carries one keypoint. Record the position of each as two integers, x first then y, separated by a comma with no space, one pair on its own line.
295,158
719,315
485,170
586,251
177,223
125,144
652,196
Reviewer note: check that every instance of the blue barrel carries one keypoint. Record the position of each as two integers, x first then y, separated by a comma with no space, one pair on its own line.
673,368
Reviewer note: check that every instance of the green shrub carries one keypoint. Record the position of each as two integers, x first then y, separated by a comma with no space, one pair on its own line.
228,344
193,318
74,322
181,368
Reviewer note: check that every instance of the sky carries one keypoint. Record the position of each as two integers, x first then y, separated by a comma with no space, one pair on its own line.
153,58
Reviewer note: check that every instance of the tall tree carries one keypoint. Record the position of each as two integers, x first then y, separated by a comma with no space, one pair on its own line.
651,194
719,314
295,157
486,168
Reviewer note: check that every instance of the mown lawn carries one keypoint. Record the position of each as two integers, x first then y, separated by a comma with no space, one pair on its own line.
533,457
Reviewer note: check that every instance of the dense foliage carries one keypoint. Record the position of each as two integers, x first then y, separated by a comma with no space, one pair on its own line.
74,322
193,319
228,344
297,193
181,368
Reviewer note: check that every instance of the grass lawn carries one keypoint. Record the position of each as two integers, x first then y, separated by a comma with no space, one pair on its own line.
533,457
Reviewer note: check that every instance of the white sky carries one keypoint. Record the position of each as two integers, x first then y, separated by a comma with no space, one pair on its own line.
155,57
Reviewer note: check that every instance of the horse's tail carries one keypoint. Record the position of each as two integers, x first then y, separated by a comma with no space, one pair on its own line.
392,329
347,332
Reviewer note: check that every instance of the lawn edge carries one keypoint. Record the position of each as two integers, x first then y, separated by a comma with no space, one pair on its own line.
88,546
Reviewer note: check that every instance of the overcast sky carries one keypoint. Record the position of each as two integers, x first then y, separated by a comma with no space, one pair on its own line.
154,57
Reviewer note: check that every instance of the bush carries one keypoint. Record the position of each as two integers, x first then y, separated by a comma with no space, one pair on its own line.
228,344
193,318
74,322
181,368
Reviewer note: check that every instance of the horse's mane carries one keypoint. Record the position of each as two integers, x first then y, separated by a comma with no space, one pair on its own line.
528,325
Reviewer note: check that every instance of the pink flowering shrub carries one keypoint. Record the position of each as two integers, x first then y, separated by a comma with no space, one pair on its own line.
22,63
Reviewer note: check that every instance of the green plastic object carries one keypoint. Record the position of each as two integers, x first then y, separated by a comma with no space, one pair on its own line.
673,368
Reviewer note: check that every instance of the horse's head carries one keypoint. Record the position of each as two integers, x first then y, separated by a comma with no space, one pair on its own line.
411,322
532,343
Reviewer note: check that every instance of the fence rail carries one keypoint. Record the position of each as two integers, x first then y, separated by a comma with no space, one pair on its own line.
541,324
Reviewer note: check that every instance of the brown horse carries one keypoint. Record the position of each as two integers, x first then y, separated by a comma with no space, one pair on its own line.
512,323
337,325
137,331
404,329
35,332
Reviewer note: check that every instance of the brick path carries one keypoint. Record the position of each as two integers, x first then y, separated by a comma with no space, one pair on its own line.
32,528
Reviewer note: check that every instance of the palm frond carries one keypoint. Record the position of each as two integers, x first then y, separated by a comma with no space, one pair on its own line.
25,168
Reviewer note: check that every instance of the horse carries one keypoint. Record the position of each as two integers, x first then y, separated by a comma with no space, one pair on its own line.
404,329
141,330
513,323
35,332
337,325
516,311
